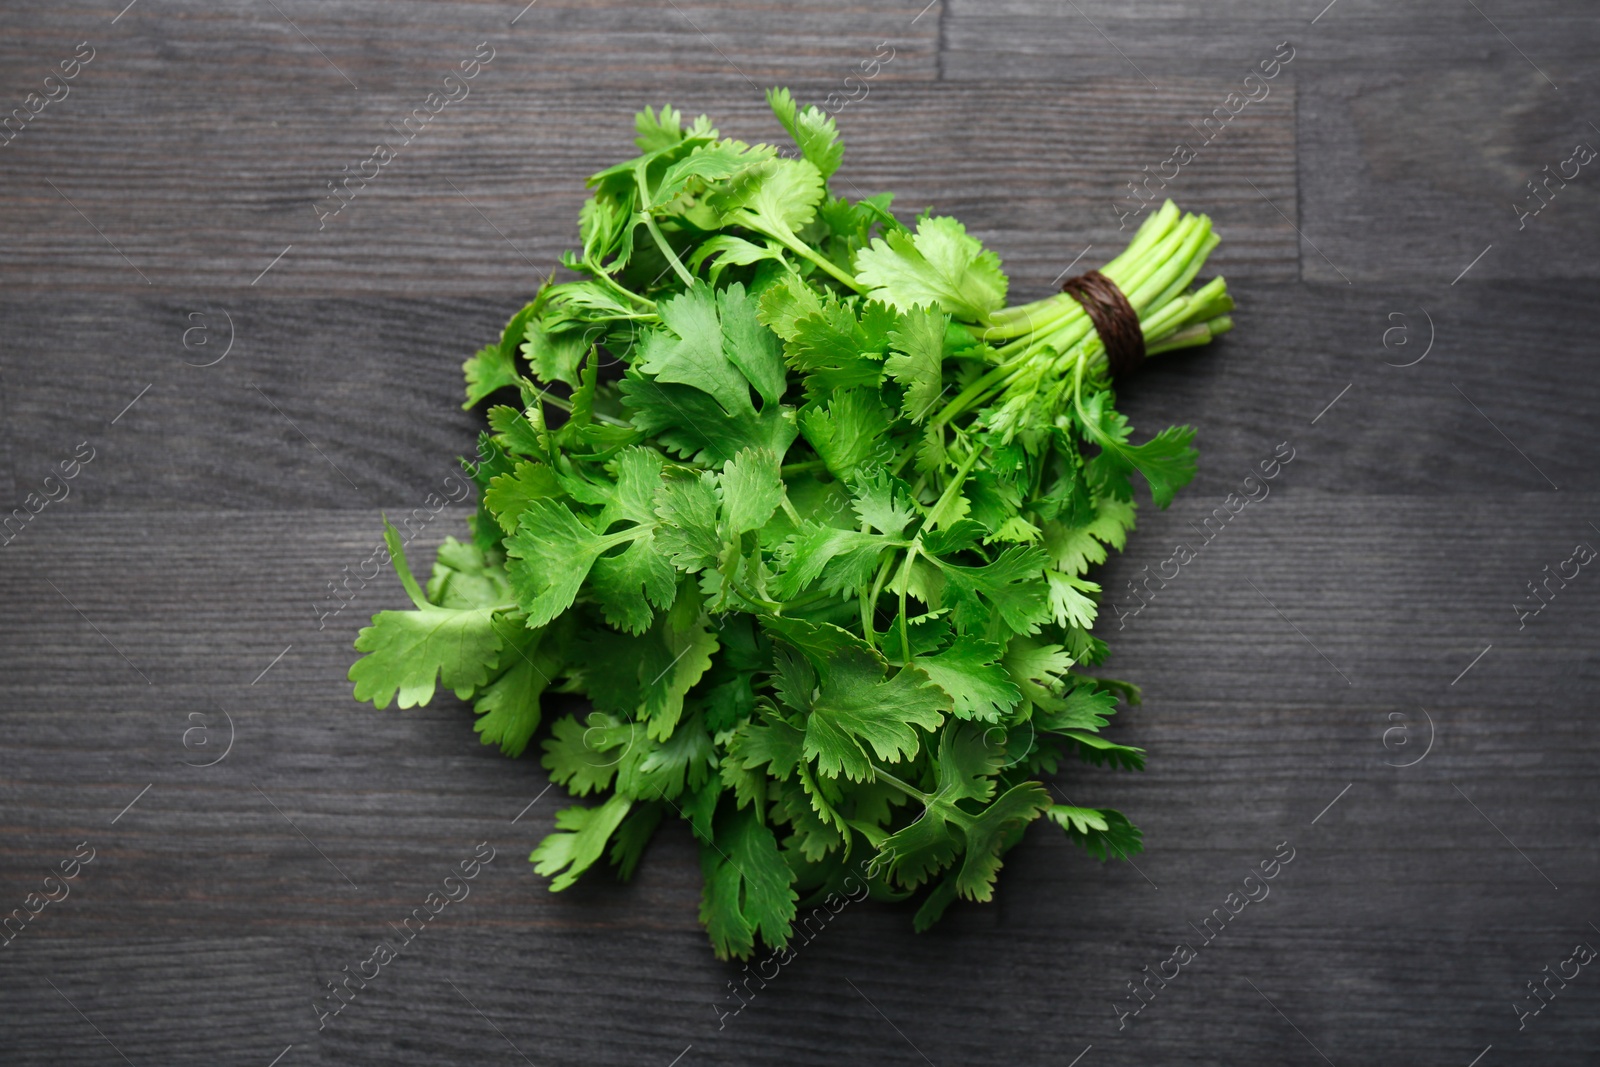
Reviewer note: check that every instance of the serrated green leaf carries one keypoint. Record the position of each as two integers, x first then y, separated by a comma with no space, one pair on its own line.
510,494
580,839
747,887
1103,832
408,652
812,130
938,265
858,715
969,671
692,424
508,707
916,360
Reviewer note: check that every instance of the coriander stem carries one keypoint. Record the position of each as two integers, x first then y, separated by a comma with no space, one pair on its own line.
936,513
909,791
566,405
905,580
800,248
666,249
655,231
601,275
869,608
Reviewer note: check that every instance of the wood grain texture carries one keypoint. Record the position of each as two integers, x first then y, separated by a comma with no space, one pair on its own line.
1225,40
487,196
1251,734
1418,127
1413,174
293,49
315,392
1360,615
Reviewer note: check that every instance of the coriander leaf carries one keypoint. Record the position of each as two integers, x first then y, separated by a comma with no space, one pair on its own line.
583,755
836,349
784,304
707,163
748,887
690,350
554,356
794,678
508,707
883,502
916,852
749,345
1167,460
856,710
515,431
632,835
687,508
1031,660
657,132
690,423
938,265
495,367
772,743
1098,751
1073,550
848,432
408,651
1102,832
464,577
627,585
751,490
777,198
580,839
812,130
987,837
510,494
970,673
1004,593
962,772
629,840
549,557
486,372
632,499
1082,707
916,360
733,251
666,768
843,559
1113,519
1069,605
670,665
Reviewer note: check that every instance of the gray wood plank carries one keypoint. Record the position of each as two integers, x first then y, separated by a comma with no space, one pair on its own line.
1373,591
322,403
1396,624
1251,734
1420,175
245,184
318,391
1418,126
1226,40
303,48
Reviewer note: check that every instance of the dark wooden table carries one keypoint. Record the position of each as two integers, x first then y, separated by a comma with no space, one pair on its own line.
1344,669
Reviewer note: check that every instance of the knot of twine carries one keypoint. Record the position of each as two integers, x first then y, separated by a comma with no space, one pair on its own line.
1115,321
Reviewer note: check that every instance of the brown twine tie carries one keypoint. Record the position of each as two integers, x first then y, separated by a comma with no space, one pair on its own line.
1114,320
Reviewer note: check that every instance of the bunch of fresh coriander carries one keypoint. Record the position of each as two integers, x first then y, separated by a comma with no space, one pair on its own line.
804,511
